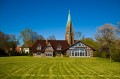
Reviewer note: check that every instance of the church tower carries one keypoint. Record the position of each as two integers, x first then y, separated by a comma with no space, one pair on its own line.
69,31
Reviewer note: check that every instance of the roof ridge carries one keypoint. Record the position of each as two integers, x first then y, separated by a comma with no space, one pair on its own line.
52,40
56,40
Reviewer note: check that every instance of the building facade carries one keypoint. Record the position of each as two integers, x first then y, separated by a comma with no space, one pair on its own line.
79,49
49,48
67,47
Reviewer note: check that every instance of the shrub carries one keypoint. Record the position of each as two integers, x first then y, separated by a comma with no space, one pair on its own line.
104,54
30,54
95,54
115,55
3,53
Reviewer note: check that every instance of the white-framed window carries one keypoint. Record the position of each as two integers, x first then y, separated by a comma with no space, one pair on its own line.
39,47
47,54
38,53
49,48
58,48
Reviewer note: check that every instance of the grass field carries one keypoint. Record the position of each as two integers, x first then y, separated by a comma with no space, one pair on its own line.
58,68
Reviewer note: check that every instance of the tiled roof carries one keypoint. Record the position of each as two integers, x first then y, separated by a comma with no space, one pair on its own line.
54,43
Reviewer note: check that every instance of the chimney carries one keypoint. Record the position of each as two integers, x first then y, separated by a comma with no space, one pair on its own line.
46,41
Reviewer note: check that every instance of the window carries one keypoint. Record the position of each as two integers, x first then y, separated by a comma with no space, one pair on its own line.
39,47
82,44
47,54
49,48
72,53
58,48
81,49
38,53
79,44
75,53
86,53
80,53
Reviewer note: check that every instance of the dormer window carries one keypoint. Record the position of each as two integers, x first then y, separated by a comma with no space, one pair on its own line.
49,48
39,47
59,47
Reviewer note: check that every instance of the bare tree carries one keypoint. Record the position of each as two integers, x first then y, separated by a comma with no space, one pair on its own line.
29,37
52,37
78,35
8,42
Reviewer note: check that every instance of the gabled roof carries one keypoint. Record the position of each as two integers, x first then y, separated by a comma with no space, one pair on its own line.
54,43
26,45
59,46
80,42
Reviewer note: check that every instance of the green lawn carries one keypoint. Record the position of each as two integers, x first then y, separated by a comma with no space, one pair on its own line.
58,68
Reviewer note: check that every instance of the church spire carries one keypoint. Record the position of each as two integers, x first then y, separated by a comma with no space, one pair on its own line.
69,19
69,31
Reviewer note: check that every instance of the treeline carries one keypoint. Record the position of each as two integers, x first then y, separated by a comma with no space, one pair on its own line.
27,38
8,44
107,42
108,38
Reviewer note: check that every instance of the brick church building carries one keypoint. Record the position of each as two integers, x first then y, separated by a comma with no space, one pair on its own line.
68,47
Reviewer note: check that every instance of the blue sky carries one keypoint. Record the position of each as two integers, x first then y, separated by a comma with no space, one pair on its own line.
49,17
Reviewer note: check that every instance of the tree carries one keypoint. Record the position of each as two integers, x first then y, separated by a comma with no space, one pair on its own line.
7,43
52,37
35,36
91,43
118,29
13,42
29,37
106,35
3,44
78,35
115,48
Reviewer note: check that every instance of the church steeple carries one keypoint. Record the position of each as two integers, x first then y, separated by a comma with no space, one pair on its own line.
69,31
69,19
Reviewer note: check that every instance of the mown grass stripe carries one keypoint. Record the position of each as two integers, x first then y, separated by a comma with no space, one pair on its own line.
58,68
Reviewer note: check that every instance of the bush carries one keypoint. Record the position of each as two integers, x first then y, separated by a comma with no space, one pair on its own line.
104,54
30,54
115,55
3,53
95,54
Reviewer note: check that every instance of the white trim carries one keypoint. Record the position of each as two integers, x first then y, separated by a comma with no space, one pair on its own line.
79,53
